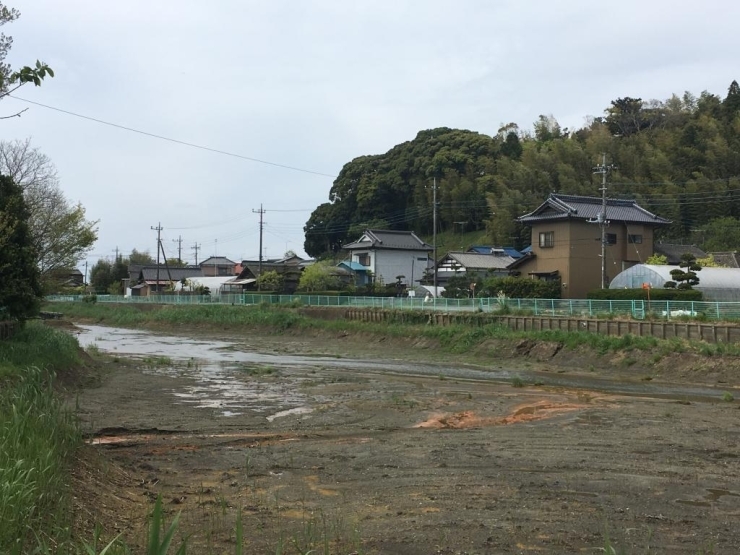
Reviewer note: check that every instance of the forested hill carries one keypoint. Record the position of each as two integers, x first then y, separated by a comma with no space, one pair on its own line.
680,158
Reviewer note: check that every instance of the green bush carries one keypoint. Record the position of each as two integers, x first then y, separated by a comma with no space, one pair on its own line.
642,294
520,288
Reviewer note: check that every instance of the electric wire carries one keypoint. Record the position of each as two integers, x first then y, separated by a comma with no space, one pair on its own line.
171,140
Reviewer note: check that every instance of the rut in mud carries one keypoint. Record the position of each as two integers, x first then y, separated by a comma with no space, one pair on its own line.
389,456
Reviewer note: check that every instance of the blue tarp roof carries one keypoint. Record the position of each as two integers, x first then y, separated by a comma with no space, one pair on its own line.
512,252
483,249
354,266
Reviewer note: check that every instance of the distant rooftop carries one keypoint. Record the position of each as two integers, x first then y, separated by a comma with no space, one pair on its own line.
389,239
573,207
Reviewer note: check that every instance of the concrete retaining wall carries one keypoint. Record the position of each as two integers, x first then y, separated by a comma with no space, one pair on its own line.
696,331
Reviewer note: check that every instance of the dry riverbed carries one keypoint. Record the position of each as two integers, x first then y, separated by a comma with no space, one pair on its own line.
367,449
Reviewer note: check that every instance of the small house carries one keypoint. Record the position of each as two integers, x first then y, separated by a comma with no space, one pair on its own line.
391,255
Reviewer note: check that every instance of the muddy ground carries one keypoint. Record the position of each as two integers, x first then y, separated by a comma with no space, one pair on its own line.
373,447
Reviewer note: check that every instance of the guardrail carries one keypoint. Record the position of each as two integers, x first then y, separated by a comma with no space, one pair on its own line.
669,310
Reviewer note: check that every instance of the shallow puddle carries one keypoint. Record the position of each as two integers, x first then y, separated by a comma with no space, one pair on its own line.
222,380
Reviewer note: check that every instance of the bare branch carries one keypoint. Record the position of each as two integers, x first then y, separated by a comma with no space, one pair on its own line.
14,115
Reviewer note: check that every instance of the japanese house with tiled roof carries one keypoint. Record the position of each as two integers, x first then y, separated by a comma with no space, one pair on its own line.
566,241
390,254
473,263
218,266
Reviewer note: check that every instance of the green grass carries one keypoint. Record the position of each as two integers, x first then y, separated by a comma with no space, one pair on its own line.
37,439
203,315
457,338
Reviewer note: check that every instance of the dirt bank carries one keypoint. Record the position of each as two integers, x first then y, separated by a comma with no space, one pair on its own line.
386,445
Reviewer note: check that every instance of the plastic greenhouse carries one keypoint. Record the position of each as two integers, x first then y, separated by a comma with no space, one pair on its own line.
717,284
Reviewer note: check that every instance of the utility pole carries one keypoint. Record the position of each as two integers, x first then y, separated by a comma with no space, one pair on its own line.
158,229
434,234
85,273
116,251
261,212
603,169
179,248
196,248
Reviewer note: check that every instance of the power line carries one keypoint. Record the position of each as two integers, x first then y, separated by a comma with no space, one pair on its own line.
171,140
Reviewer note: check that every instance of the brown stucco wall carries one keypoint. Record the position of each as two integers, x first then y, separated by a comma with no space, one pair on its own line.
576,254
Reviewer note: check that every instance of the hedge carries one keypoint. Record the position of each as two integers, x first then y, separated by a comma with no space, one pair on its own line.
520,288
642,294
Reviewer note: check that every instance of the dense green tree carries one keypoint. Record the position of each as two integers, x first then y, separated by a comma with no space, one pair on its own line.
680,158
461,286
142,258
722,234
20,288
270,281
106,277
318,277
731,103
62,236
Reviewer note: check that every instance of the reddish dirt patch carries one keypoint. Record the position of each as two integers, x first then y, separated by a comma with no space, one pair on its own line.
529,412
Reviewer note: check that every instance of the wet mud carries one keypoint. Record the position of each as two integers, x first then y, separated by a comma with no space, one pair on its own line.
383,454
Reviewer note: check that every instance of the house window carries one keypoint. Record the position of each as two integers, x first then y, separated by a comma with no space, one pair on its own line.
611,238
547,239
634,239
223,270
364,259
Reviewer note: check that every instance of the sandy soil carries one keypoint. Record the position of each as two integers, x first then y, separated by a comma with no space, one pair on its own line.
362,447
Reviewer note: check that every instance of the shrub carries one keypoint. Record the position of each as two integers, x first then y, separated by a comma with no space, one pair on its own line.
642,294
520,288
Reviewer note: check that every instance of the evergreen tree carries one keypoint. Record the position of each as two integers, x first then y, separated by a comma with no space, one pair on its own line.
731,103
20,289
684,277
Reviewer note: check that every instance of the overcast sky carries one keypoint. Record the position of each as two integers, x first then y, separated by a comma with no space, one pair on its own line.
313,84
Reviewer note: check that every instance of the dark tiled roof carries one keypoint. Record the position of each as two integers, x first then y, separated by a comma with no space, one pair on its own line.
217,261
149,273
567,207
673,252
386,239
252,269
474,261
727,259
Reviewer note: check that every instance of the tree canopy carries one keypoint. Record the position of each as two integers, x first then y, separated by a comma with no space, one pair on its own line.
680,158
317,277
60,233
20,289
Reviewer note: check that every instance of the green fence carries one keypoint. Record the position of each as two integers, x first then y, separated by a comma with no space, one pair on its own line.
591,308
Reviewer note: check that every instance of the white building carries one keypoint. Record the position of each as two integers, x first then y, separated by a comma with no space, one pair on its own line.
389,254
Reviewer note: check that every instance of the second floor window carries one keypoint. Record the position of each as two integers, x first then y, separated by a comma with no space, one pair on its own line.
634,239
547,239
364,259
611,238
